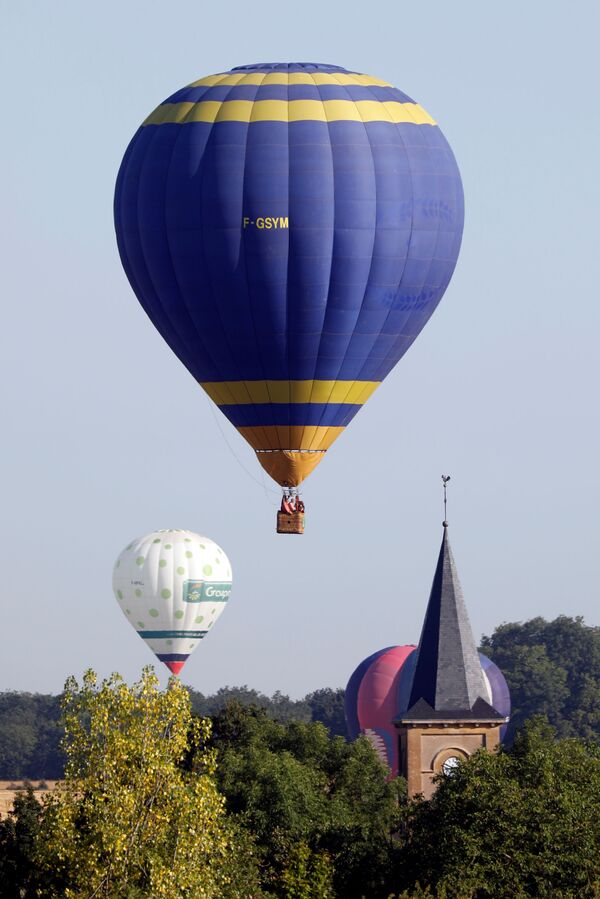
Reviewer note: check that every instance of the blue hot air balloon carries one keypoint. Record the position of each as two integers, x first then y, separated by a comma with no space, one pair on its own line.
289,229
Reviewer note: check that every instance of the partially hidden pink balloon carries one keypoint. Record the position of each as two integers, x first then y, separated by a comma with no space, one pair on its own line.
378,694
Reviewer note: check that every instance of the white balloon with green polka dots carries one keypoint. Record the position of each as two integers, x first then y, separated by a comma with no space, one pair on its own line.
172,586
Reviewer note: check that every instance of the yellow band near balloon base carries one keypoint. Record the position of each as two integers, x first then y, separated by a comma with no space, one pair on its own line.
288,468
290,453
291,438
289,111
234,393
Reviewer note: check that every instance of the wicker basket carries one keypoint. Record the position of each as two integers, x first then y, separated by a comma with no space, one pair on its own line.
290,523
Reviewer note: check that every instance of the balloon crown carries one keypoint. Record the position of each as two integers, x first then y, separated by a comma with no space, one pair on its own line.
289,67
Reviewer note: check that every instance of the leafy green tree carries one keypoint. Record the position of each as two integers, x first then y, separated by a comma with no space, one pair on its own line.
129,820
327,706
419,892
278,706
206,706
18,838
30,736
312,802
47,760
513,824
307,874
552,668
284,709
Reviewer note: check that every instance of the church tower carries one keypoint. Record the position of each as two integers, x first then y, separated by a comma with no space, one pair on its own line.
448,715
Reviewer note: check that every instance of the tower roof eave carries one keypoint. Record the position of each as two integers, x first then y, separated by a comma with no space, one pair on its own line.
422,713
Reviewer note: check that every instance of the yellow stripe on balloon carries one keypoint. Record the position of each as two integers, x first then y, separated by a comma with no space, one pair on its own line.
292,111
286,78
289,468
237,393
294,438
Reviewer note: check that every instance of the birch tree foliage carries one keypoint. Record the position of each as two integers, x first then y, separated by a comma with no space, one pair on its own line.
129,820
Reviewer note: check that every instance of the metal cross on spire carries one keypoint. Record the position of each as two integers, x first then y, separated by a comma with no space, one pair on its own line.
445,479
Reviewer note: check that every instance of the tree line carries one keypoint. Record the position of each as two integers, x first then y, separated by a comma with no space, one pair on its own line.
31,728
552,669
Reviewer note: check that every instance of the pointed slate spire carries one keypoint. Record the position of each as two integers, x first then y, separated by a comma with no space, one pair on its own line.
448,679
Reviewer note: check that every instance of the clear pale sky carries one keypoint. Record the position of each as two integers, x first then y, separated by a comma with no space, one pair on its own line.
107,437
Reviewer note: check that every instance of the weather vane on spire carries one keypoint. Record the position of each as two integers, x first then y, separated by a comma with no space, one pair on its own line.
445,479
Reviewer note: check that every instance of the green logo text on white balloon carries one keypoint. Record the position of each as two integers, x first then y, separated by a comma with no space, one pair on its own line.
172,586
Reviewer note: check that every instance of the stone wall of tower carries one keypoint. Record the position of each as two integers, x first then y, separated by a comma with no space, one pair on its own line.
425,747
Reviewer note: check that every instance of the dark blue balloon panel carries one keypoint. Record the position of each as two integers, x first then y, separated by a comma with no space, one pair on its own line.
289,223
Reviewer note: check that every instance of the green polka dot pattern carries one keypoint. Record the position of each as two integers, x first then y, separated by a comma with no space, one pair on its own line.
163,588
